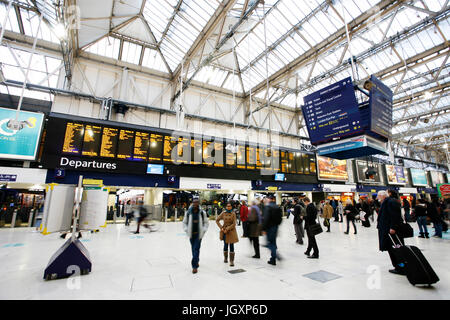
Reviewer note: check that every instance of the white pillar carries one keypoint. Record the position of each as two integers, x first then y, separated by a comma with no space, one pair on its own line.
278,197
148,197
250,196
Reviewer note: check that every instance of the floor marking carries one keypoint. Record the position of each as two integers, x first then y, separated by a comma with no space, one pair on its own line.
322,276
236,271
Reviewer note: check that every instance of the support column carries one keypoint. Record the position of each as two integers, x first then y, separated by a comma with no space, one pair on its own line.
148,197
157,196
250,196
278,198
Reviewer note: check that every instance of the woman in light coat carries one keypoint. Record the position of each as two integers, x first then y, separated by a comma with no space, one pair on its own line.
228,232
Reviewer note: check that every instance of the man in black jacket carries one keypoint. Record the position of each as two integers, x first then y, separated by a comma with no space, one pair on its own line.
389,220
311,215
271,221
298,221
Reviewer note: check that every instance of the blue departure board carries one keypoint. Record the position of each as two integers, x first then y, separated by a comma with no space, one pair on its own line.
332,113
381,99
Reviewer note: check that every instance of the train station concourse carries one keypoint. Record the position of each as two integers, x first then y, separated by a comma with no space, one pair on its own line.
225,156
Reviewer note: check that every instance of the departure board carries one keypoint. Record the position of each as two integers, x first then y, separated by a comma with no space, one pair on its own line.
156,147
240,156
125,145
230,155
259,158
218,154
169,145
299,163
312,164
291,162
141,144
306,163
109,142
73,138
184,152
284,162
208,153
196,150
275,159
251,157
91,141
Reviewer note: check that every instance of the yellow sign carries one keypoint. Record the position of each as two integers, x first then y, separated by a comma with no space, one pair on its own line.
272,188
92,182
373,191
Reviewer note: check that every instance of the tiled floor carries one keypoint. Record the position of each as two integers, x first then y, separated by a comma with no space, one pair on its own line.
157,266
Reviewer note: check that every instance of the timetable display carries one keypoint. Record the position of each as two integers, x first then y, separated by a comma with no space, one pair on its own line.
125,145
196,151
208,150
251,157
91,141
169,145
156,147
73,138
240,156
183,152
141,144
108,147
218,154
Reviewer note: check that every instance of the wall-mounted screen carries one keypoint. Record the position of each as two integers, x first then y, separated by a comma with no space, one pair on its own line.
155,169
73,138
156,148
169,144
332,169
251,157
141,145
240,156
419,178
368,172
108,146
125,145
279,177
196,150
395,175
437,178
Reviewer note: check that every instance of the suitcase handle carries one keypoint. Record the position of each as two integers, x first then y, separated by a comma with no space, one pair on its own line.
399,242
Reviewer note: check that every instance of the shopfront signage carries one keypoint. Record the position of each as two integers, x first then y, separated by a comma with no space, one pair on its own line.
8,177
213,186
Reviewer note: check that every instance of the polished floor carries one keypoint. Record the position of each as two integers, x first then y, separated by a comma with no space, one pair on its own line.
156,265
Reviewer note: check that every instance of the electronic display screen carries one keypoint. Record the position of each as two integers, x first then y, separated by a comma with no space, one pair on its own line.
332,169
251,157
92,140
109,142
368,172
156,147
208,153
291,162
259,158
169,145
184,150
299,163
240,156
125,145
230,154
196,150
218,154
141,144
155,169
419,177
284,161
312,164
73,138
279,177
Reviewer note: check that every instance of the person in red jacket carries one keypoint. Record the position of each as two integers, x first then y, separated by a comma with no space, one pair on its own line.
244,215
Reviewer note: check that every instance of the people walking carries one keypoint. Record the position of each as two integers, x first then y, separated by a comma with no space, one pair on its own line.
310,220
388,223
340,211
254,221
128,212
366,212
195,224
299,213
420,212
228,232
327,214
435,218
350,213
243,213
142,213
272,219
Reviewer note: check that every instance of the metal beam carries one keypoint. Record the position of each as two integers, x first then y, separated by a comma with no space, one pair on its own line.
418,131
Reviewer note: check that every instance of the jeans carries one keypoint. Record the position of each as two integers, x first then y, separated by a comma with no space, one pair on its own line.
195,245
225,247
348,224
312,244
272,242
127,219
422,222
438,229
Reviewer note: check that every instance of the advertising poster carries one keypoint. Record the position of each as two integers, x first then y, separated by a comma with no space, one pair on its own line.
368,172
332,169
20,144
395,175
419,177
443,189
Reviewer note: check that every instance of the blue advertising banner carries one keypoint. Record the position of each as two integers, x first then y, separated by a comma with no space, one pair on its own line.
380,102
332,113
419,177
20,144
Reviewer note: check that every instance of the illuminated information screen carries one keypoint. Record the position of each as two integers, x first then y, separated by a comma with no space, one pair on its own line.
125,146
259,158
156,147
251,157
109,142
208,150
196,151
141,144
73,138
92,139
183,150
218,154
169,144
240,156
284,162
312,164
299,163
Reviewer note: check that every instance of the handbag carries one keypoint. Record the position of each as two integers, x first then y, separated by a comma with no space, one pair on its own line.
316,228
405,230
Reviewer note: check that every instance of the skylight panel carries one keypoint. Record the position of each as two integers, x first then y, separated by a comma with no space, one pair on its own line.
152,59
107,46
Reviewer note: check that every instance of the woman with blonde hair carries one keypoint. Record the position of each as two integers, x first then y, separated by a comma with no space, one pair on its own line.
228,232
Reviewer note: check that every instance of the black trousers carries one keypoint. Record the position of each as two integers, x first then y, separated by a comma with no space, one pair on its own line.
312,243
255,241
348,224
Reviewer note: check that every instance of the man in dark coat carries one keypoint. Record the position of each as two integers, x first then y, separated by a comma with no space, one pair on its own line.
389,220
298,221
310,220
272,219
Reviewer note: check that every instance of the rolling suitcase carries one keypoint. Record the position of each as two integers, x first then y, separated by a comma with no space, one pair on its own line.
418,270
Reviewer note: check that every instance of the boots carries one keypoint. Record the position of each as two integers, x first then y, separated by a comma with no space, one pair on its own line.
225,255
421,235
426,235
231,259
